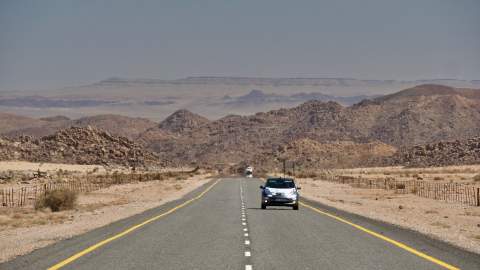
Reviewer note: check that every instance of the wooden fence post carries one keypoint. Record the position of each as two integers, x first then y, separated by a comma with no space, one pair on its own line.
478,196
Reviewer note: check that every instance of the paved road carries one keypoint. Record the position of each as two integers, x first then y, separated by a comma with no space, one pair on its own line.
223,228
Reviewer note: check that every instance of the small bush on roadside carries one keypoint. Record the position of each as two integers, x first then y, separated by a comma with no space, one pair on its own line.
437,178
57,200
476,178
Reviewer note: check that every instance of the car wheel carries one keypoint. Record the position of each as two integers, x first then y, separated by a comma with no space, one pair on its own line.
295,207
264,206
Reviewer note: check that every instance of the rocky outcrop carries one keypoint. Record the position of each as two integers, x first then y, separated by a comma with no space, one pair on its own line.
182,121
79,146
445,153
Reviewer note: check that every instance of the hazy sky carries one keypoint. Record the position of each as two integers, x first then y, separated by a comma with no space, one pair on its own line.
51,44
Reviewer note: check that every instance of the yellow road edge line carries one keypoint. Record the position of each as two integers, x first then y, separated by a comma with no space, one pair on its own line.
127,231
384,238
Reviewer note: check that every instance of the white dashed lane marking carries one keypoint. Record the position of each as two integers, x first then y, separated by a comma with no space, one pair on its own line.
248,253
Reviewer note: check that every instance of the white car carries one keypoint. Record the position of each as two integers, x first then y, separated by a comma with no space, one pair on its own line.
249,172
280,192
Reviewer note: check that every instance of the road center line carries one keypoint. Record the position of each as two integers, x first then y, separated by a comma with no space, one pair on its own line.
384,238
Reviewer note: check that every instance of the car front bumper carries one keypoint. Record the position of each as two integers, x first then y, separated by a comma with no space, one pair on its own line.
279,201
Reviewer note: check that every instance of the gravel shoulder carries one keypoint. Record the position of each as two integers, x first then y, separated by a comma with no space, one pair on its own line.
453,223
24,230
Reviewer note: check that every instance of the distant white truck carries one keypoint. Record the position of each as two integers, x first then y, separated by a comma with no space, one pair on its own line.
249,172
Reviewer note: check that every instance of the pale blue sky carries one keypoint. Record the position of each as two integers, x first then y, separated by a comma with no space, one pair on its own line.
51,44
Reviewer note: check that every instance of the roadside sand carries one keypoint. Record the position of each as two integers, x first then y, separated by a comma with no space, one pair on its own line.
46,167
457,174
24,230
454,223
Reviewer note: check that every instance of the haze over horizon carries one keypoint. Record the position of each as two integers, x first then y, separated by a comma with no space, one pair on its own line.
53,44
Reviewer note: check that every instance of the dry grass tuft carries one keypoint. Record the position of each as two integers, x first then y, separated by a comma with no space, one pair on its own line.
57,200
440,224
23,217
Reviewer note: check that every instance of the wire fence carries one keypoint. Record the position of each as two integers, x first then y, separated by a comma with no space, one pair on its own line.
28,195
450,192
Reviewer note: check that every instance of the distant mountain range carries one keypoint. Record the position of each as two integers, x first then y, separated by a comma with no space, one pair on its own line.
289,81
213,97
258,97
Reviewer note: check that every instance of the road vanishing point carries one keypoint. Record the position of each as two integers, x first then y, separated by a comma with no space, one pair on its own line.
221,226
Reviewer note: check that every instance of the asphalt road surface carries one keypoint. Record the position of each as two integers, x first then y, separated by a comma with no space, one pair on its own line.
221,226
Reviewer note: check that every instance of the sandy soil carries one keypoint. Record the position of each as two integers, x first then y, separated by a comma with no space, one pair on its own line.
46,167
23,230
454,223
464,173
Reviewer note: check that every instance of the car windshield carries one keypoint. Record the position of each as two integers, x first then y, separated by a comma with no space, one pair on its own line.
280,183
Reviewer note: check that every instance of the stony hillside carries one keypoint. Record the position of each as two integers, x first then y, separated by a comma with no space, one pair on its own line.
10,122
414,116
309,154
315,133
458,152
183,121
78,145
119,125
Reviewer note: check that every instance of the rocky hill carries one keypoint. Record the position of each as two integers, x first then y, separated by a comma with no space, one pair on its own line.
119,125
315,133
445,153
309,154
78,145
11,122
183,121
414,116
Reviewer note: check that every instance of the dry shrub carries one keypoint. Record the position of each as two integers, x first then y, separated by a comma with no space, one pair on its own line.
476,178
438,178
400,186
57,200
